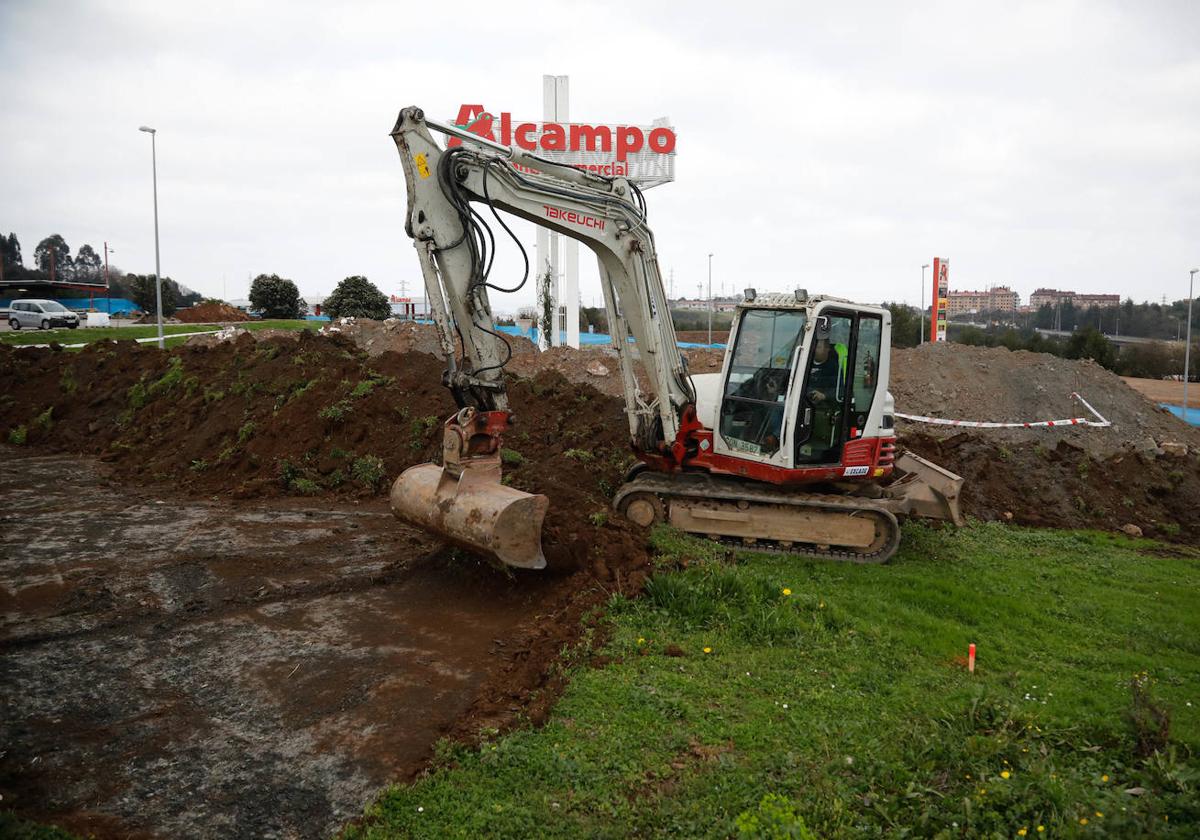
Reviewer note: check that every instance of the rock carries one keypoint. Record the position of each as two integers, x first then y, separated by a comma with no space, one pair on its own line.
1132,530
1147,447
1174,449
1008,516
597,368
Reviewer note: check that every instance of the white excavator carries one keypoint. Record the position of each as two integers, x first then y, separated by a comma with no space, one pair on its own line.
791,447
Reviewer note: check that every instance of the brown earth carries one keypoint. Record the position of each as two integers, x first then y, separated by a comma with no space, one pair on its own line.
181,666
1164,390
996,384
211,313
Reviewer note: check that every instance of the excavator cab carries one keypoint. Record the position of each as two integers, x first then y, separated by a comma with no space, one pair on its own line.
802,379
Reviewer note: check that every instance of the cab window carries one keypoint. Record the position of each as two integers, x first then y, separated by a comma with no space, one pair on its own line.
759,373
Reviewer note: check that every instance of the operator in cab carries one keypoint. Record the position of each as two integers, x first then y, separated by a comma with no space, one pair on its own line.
826,380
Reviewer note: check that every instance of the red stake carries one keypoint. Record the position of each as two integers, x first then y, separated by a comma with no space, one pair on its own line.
971,657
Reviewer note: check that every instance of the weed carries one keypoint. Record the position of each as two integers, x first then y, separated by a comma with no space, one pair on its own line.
422,426
190,385
1150,721
1004,452
369,470
337,452
198,465
581,455
18,435
511,458
305,487
66,382
165,383
212,395
335,479
137,395
1171,529
246,431
227,453
267,351
598,518
336,412
368,385
44,421
775,817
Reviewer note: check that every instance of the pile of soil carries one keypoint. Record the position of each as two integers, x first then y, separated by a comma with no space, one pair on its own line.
396,336
1059,484
314,415
211,313
956,381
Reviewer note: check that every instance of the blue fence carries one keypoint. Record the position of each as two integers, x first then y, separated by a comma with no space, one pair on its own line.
1192,415
113,306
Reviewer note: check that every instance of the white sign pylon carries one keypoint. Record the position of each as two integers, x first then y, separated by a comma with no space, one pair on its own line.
558,253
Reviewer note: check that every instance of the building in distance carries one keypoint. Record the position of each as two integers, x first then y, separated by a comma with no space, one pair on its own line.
1080,300
997,299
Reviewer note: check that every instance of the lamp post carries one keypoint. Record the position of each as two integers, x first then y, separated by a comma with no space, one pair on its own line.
1187,346
157,267
710,300
921,314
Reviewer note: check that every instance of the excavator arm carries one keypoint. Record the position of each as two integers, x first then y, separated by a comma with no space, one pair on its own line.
463,499
454,247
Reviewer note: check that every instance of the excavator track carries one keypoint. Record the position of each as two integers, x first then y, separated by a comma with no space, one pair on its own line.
764,518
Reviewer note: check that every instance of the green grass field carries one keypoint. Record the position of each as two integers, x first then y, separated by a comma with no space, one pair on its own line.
86,335
834,699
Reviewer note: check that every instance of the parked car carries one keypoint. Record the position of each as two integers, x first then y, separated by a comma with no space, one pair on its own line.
40,314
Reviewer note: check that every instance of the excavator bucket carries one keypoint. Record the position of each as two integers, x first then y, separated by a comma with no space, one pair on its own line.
474,510
925,489
464,501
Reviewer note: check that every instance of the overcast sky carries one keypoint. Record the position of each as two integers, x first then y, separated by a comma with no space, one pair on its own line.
834,146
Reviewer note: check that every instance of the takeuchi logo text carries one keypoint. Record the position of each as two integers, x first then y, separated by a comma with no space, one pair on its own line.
581,219
563,137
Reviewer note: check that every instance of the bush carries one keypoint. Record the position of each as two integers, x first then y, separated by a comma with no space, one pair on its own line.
357,297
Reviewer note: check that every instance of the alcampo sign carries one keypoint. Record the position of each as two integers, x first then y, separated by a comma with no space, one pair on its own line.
645,154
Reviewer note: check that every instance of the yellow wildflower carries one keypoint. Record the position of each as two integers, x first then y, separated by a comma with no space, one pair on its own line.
787,591
1104,778
1083,820
821,605
708,650
1021,832
1041,828
641,641
1004,774
1099,813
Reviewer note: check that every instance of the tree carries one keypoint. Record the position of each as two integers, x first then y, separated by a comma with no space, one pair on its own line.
53,253
275,297
87,265
358,297
10,252
1090,343
141,289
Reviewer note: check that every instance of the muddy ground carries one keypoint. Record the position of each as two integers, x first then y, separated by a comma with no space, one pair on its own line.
177,666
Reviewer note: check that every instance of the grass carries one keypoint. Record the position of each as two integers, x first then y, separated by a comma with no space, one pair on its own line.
834,698
87,335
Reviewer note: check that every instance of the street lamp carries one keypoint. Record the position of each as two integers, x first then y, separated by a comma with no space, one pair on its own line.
157,267
921,314
710,300
1187,346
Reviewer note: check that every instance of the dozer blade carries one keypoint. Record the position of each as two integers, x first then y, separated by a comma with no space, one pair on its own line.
924,489
474,510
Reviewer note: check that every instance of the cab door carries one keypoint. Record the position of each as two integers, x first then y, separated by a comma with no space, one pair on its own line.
755,416
841,384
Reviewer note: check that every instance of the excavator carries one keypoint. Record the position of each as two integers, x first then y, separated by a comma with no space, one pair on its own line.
791,447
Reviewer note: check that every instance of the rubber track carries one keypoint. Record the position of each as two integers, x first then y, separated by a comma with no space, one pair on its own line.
699,486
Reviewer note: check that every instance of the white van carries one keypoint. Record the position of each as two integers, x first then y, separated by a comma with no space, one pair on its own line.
40,314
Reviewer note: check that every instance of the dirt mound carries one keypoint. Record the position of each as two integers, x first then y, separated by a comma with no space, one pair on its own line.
211,313
993,383
396,336
1058,484
314,415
